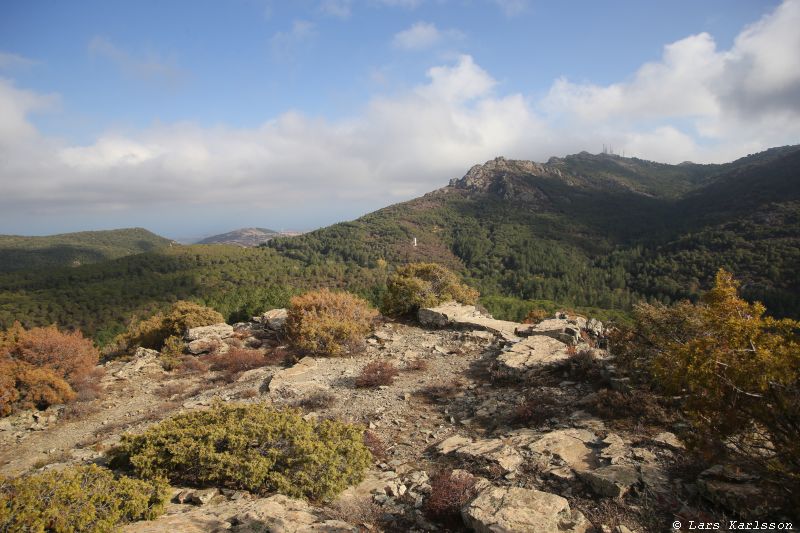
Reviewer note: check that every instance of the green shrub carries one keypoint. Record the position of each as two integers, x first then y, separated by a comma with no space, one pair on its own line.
424,285
737,370
155,331
328,323
78,498
251,447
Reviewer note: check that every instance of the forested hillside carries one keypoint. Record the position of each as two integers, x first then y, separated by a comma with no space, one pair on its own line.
585,231
75,249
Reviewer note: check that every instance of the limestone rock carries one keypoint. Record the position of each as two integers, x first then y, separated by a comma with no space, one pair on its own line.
274,319
570,446
612,481
532,352
518,510
216,331
467,316
145,361
669,440
207,345
296,380
492,450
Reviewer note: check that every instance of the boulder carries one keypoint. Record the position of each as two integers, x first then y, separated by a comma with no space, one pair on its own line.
532,352
452,314
518,510
565,447
215,331
296,381
613,481
564,329
207,345
145,361
669,440
274,319
491,450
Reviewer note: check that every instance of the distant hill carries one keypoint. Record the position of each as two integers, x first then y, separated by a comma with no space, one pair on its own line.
243,237
75,249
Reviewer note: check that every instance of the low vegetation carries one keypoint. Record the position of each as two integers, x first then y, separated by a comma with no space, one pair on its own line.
250,447
158,330
375,374
329,323
78,498
44,366
424,285
736,370
450,491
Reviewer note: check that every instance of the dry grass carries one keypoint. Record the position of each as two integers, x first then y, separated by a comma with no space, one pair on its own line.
173,388
361,511
79,411
442,391
376,373
317,400
416,365
375,445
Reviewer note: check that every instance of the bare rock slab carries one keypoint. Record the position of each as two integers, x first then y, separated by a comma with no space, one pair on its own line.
532,352
215,331
452,314
612,481
297,380
518,510
491,450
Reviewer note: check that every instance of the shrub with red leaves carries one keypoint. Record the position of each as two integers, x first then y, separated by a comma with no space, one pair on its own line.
450,491
376,373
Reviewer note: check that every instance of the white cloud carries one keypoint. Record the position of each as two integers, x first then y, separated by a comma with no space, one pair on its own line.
285,44
9,60
423,35
337,8
512,7
150,68
696,103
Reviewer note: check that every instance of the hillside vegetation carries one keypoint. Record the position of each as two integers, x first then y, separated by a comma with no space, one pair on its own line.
75,249
596,233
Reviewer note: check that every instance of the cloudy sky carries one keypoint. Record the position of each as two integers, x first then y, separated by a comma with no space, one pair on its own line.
194,117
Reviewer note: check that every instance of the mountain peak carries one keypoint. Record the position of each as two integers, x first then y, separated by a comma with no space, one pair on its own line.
495,173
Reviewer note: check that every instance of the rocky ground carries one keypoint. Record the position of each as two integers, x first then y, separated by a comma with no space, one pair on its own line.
505,402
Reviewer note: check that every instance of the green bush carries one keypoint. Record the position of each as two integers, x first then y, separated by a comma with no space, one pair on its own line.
251,447
154,332
78,498
328,323
424,285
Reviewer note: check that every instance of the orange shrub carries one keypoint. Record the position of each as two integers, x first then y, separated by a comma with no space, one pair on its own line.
328,323
23,386
68,355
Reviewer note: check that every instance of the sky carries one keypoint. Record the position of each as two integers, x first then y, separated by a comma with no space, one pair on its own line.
195,117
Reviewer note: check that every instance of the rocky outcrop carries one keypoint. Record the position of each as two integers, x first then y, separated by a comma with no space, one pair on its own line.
452,314
530,353
492,450
215,331
518,510
296,381
144,361
276,514
274,319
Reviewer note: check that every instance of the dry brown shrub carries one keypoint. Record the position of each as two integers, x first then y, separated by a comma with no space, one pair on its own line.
88,388
535,316
236,361
376,446
638,404
67,354
450,491
279,356
329,323
168,390
375,374
358,510
79,410
536,409
154,331
190,364
247,394
317,400
23,386
442,391
584,366
416,365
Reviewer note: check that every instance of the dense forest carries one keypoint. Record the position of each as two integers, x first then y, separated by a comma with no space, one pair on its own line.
75,249
592,232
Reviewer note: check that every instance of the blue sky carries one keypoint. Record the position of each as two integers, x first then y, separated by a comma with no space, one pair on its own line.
190,118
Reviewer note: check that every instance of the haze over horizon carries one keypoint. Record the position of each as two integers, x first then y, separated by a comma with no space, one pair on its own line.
191,119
